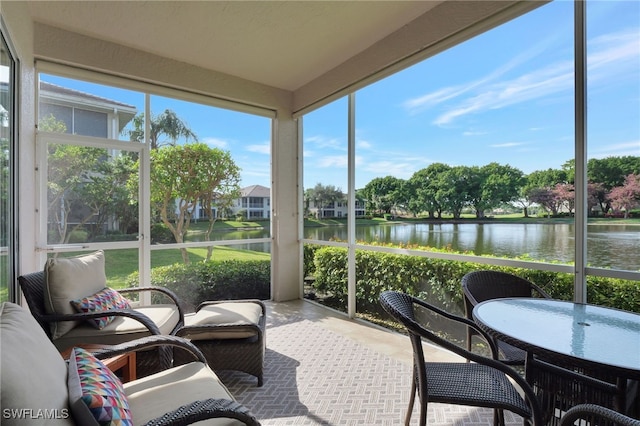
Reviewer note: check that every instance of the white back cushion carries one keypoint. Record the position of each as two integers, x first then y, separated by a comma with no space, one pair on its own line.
67,279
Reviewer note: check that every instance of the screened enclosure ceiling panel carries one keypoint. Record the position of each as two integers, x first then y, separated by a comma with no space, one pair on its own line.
284,44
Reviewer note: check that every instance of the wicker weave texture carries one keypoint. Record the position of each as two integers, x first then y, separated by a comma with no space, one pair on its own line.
245,354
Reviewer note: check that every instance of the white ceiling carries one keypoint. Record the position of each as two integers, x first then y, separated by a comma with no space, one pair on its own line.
284,44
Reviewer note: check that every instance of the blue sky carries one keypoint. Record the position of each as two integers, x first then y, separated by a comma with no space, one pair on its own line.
505,96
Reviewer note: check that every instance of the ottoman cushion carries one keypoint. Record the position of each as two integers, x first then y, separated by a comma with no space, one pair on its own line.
239,320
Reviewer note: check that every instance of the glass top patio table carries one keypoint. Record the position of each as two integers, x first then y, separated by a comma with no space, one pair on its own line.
586,335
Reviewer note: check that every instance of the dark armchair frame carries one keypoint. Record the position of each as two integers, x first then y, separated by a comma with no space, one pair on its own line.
33,285
596,415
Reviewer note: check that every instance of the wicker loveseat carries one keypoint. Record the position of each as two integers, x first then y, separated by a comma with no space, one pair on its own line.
39,387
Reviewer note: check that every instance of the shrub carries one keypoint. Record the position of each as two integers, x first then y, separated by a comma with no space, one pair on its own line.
197,282
438,280
80,235
161,234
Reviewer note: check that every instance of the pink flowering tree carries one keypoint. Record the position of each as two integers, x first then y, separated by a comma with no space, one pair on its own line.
626,197
565,195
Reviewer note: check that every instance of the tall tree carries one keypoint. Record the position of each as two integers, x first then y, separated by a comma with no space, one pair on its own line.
456,186
429,189
492,185
523,200
182,176
612,171
385,193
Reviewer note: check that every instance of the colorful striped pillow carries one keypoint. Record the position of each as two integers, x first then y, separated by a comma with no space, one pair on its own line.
96,395
103,300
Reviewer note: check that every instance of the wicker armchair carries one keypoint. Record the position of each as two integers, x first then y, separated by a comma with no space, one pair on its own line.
485,382
38,386
148,362
592,415
479,286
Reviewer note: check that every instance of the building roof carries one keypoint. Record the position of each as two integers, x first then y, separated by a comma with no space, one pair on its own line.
53,90
256,191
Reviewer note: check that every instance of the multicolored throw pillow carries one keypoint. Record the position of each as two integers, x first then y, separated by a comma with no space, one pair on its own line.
96,395
103,300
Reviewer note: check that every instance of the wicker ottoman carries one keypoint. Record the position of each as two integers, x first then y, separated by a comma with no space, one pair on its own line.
230,333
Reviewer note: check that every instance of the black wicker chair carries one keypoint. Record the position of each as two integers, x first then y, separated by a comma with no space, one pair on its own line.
485,382
479,286
596,415
147,362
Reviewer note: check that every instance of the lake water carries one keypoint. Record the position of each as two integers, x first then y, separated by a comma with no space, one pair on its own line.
615,246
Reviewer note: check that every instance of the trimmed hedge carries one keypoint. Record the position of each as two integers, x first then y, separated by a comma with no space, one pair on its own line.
214,280
438,280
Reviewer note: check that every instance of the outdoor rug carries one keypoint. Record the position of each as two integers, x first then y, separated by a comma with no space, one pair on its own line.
314,376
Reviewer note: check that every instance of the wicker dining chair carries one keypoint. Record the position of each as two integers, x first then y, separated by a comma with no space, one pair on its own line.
479,286
484,382
596,415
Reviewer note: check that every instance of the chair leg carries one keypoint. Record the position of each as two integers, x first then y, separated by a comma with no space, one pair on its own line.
412,398
498,417
423,411
468,340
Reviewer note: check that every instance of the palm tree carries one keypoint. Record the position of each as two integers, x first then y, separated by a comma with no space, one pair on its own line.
167,123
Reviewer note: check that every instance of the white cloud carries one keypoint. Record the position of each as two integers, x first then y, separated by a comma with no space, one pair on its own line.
417,105
394,164
382,168
473,133
616,150
546,81
215,142
612,56
507,144
339,161
263,148
362,144
323,142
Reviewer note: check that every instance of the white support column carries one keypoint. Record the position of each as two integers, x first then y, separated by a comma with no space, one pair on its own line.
286,275
351,216
144,206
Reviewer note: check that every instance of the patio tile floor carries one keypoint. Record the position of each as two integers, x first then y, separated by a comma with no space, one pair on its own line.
323,368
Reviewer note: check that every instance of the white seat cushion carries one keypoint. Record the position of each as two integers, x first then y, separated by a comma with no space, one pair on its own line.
122,329
163,392
235,314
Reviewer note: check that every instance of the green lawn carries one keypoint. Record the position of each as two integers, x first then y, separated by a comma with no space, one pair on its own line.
121,263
